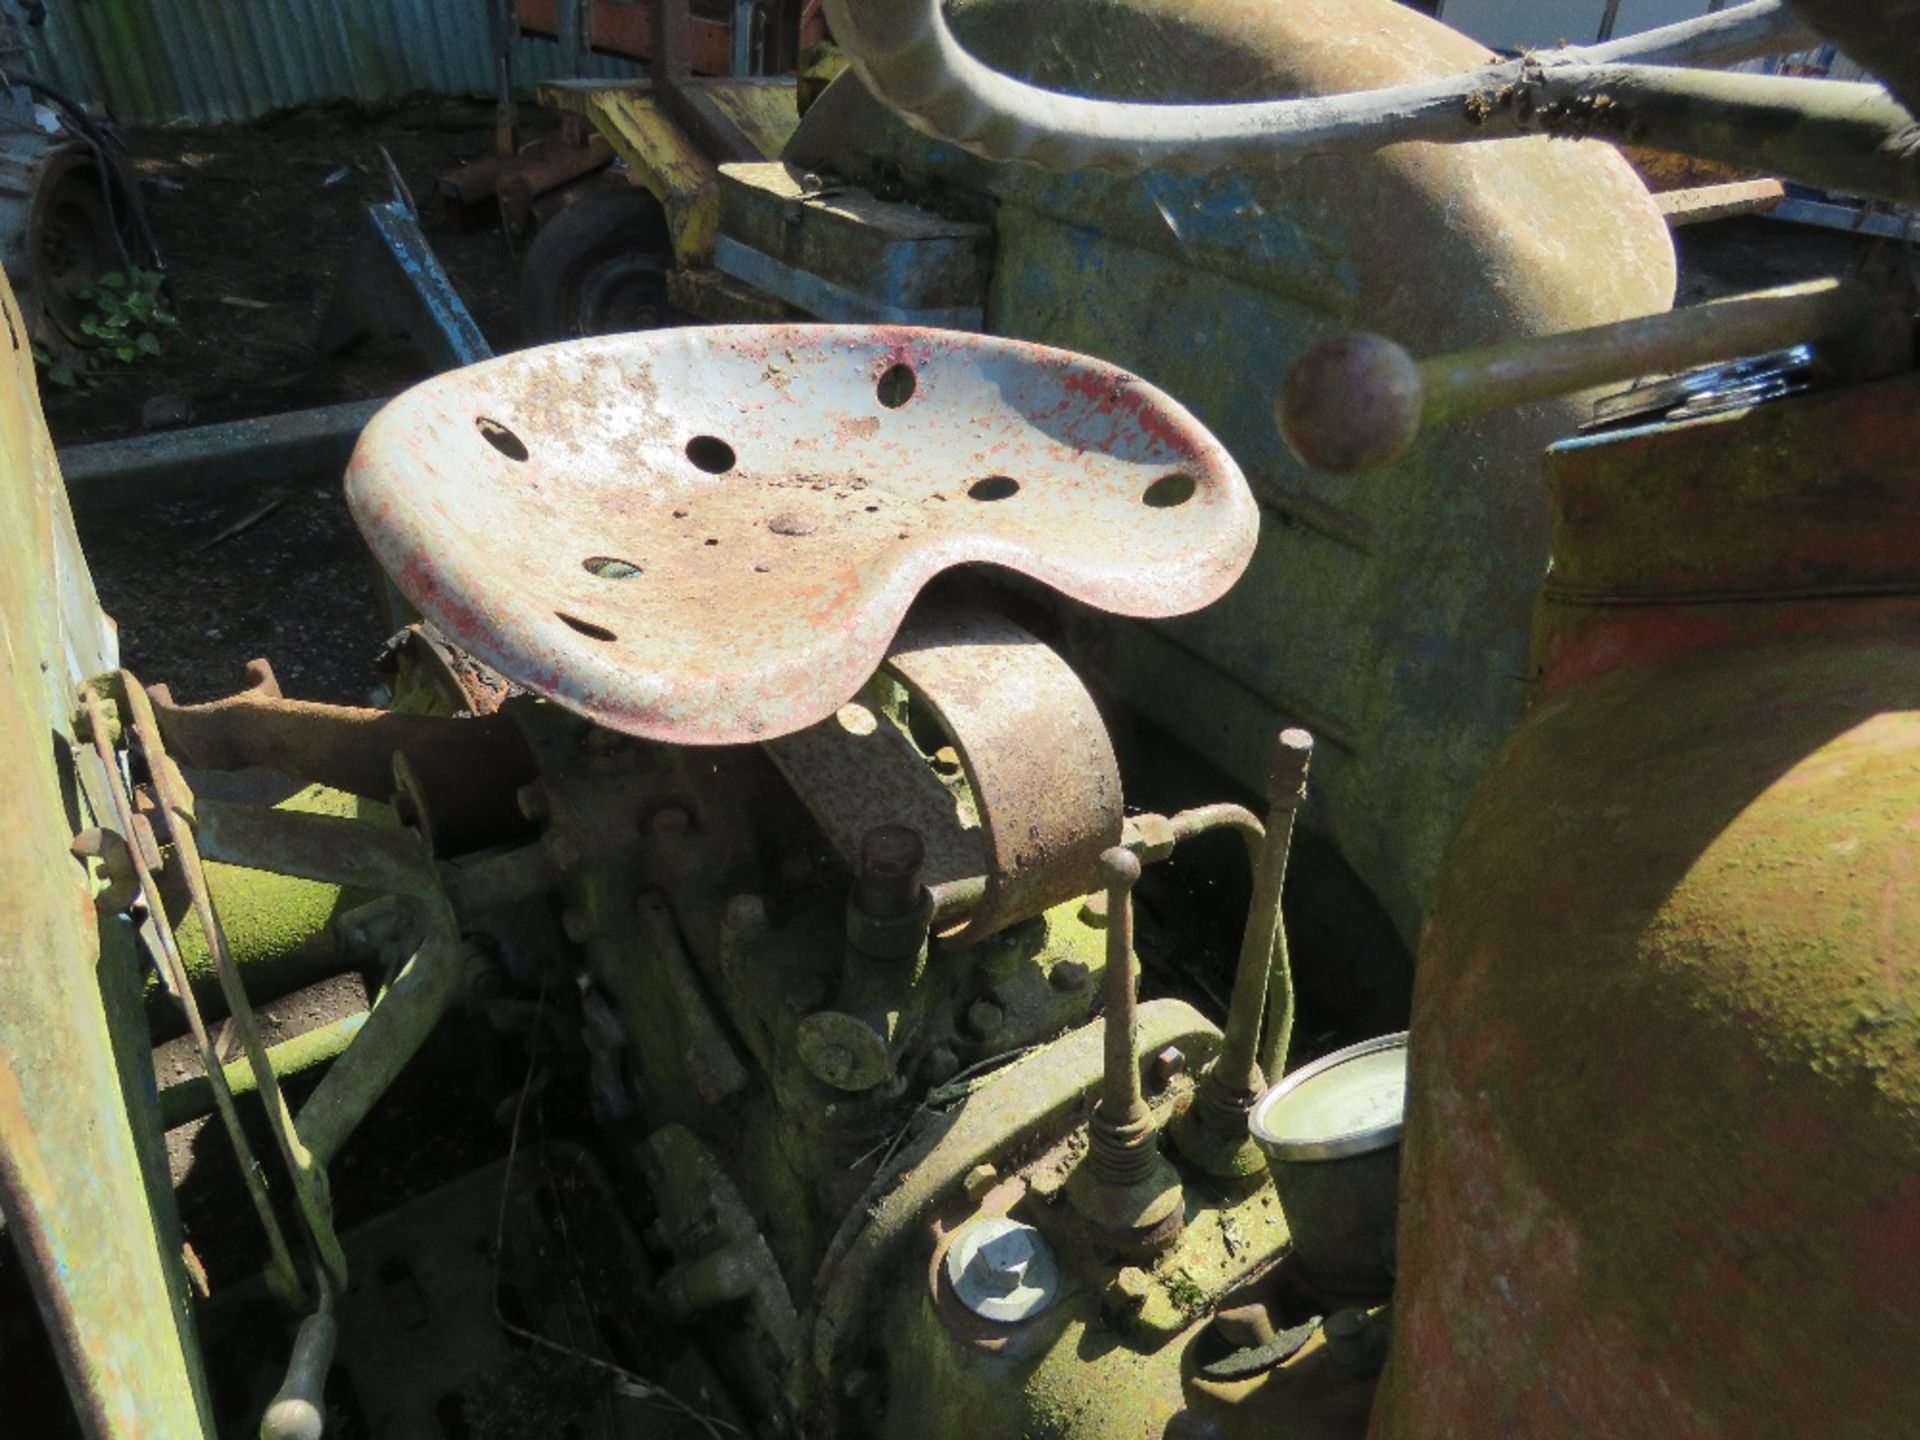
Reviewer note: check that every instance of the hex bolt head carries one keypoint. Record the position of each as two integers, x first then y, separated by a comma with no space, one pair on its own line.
1070,975
1169,1063
1093,911
980,1179
984,1018
1130,1288
1003,1270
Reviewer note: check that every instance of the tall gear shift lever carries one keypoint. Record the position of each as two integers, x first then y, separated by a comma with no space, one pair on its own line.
1212,1134
1124,1189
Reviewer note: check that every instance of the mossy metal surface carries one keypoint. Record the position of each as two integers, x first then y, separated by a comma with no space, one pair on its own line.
1662,1154
276,926
72,1187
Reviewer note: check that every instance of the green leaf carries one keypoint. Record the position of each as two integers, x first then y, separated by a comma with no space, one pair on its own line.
125,354
148,343
113,280
89,324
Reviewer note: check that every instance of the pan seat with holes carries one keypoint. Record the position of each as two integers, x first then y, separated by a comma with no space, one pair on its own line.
709,536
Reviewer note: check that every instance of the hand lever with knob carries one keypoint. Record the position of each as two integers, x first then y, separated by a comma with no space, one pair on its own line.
1356,402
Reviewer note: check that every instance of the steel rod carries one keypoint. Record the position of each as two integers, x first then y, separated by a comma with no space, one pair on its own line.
1356,402
282,1278
1121,1101
1237,1066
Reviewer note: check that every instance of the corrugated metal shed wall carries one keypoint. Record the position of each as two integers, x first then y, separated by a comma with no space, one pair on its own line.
152,61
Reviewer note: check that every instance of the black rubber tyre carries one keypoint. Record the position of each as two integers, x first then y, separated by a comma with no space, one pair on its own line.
598,267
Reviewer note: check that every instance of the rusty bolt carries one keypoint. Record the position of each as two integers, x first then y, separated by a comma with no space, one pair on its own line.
1244,1327
1130,1289
1169,1063
116,868
578,925
1070,975
106,846
562,850
888,882
1353,1340
980,1179
533,803
984,1018
1093,911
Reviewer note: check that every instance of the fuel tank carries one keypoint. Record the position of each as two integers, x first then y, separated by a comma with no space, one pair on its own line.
1662,1153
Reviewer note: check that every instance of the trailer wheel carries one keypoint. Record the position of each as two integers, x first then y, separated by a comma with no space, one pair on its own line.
597,268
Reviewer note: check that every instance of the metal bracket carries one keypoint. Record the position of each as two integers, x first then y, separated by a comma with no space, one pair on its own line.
392,285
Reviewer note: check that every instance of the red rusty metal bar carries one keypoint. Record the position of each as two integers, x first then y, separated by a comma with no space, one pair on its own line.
617,27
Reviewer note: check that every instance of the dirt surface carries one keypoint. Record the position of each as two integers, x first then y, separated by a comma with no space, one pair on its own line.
263,214
253,222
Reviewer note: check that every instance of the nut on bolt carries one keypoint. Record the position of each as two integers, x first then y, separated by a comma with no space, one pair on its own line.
1165,1066
1070,975
984,1019
980,1179
1130,1289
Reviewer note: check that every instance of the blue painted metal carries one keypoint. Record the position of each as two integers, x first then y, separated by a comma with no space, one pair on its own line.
209,61
818,296
392,284
1388,615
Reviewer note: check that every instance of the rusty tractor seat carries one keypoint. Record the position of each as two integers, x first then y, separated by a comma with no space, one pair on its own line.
710,536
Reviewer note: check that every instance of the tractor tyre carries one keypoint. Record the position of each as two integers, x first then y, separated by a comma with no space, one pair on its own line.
599,267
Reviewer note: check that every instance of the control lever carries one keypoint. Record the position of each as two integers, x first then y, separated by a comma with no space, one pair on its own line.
1356,402
1212,1132
1125,1190
298,1408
